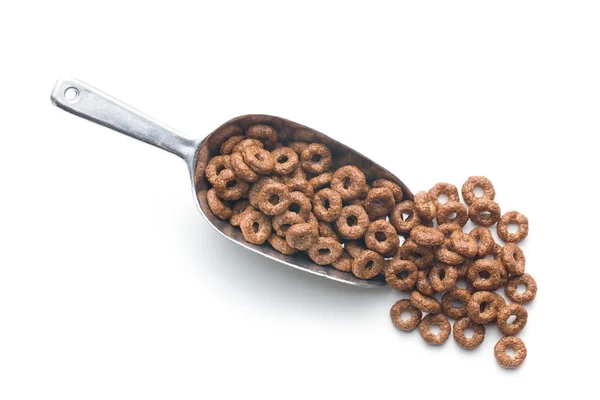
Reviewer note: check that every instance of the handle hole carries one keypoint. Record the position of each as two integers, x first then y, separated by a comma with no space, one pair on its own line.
71,94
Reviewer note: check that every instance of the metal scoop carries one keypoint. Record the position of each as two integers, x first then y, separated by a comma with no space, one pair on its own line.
87,102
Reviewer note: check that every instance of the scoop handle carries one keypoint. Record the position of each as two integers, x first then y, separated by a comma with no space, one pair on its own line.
87,102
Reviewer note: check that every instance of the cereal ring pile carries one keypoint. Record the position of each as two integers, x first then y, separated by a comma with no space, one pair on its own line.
291,195
434,257
288,194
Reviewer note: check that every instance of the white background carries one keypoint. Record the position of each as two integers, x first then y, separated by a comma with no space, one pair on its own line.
112,286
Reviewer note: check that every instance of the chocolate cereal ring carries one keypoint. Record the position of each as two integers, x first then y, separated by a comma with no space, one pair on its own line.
452,207
344,263
426,208
354,247
298,173
468,189
300,204
316,158
239,148
420,255
298,147
229,144
447,255
462,269
265,133
525,297
381,237
256,227
404,217
442,277
443,188
425,303
215,166
302,236
300,185
284,221
313,220
256,187
483,307
241,169
286,160
484,212
281,245
459,333
517,325
367,265
504,359
274,198
218,207
239,208
423,285
513,259
327,205
321,180
326,230
485,274
485,240
394,187
459,295
229,187
259,160
325,251
379,202
464,244
513,217
426,236
406,325
425,328
352,222
401,275
348,181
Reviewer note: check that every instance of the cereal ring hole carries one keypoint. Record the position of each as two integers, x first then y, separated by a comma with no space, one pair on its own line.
255,227
231,184
316,158
380,236
442,274
282,159
521,288
274,199
442,198
369,264
324,252
468,333
452,216
405,315
510,351
294,207
512,227
402,274
406,215
511,319
478,191
435,329
346,182
483,306
484,275
456,303
352,220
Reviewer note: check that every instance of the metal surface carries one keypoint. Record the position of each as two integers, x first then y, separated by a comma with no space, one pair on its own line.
87,102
